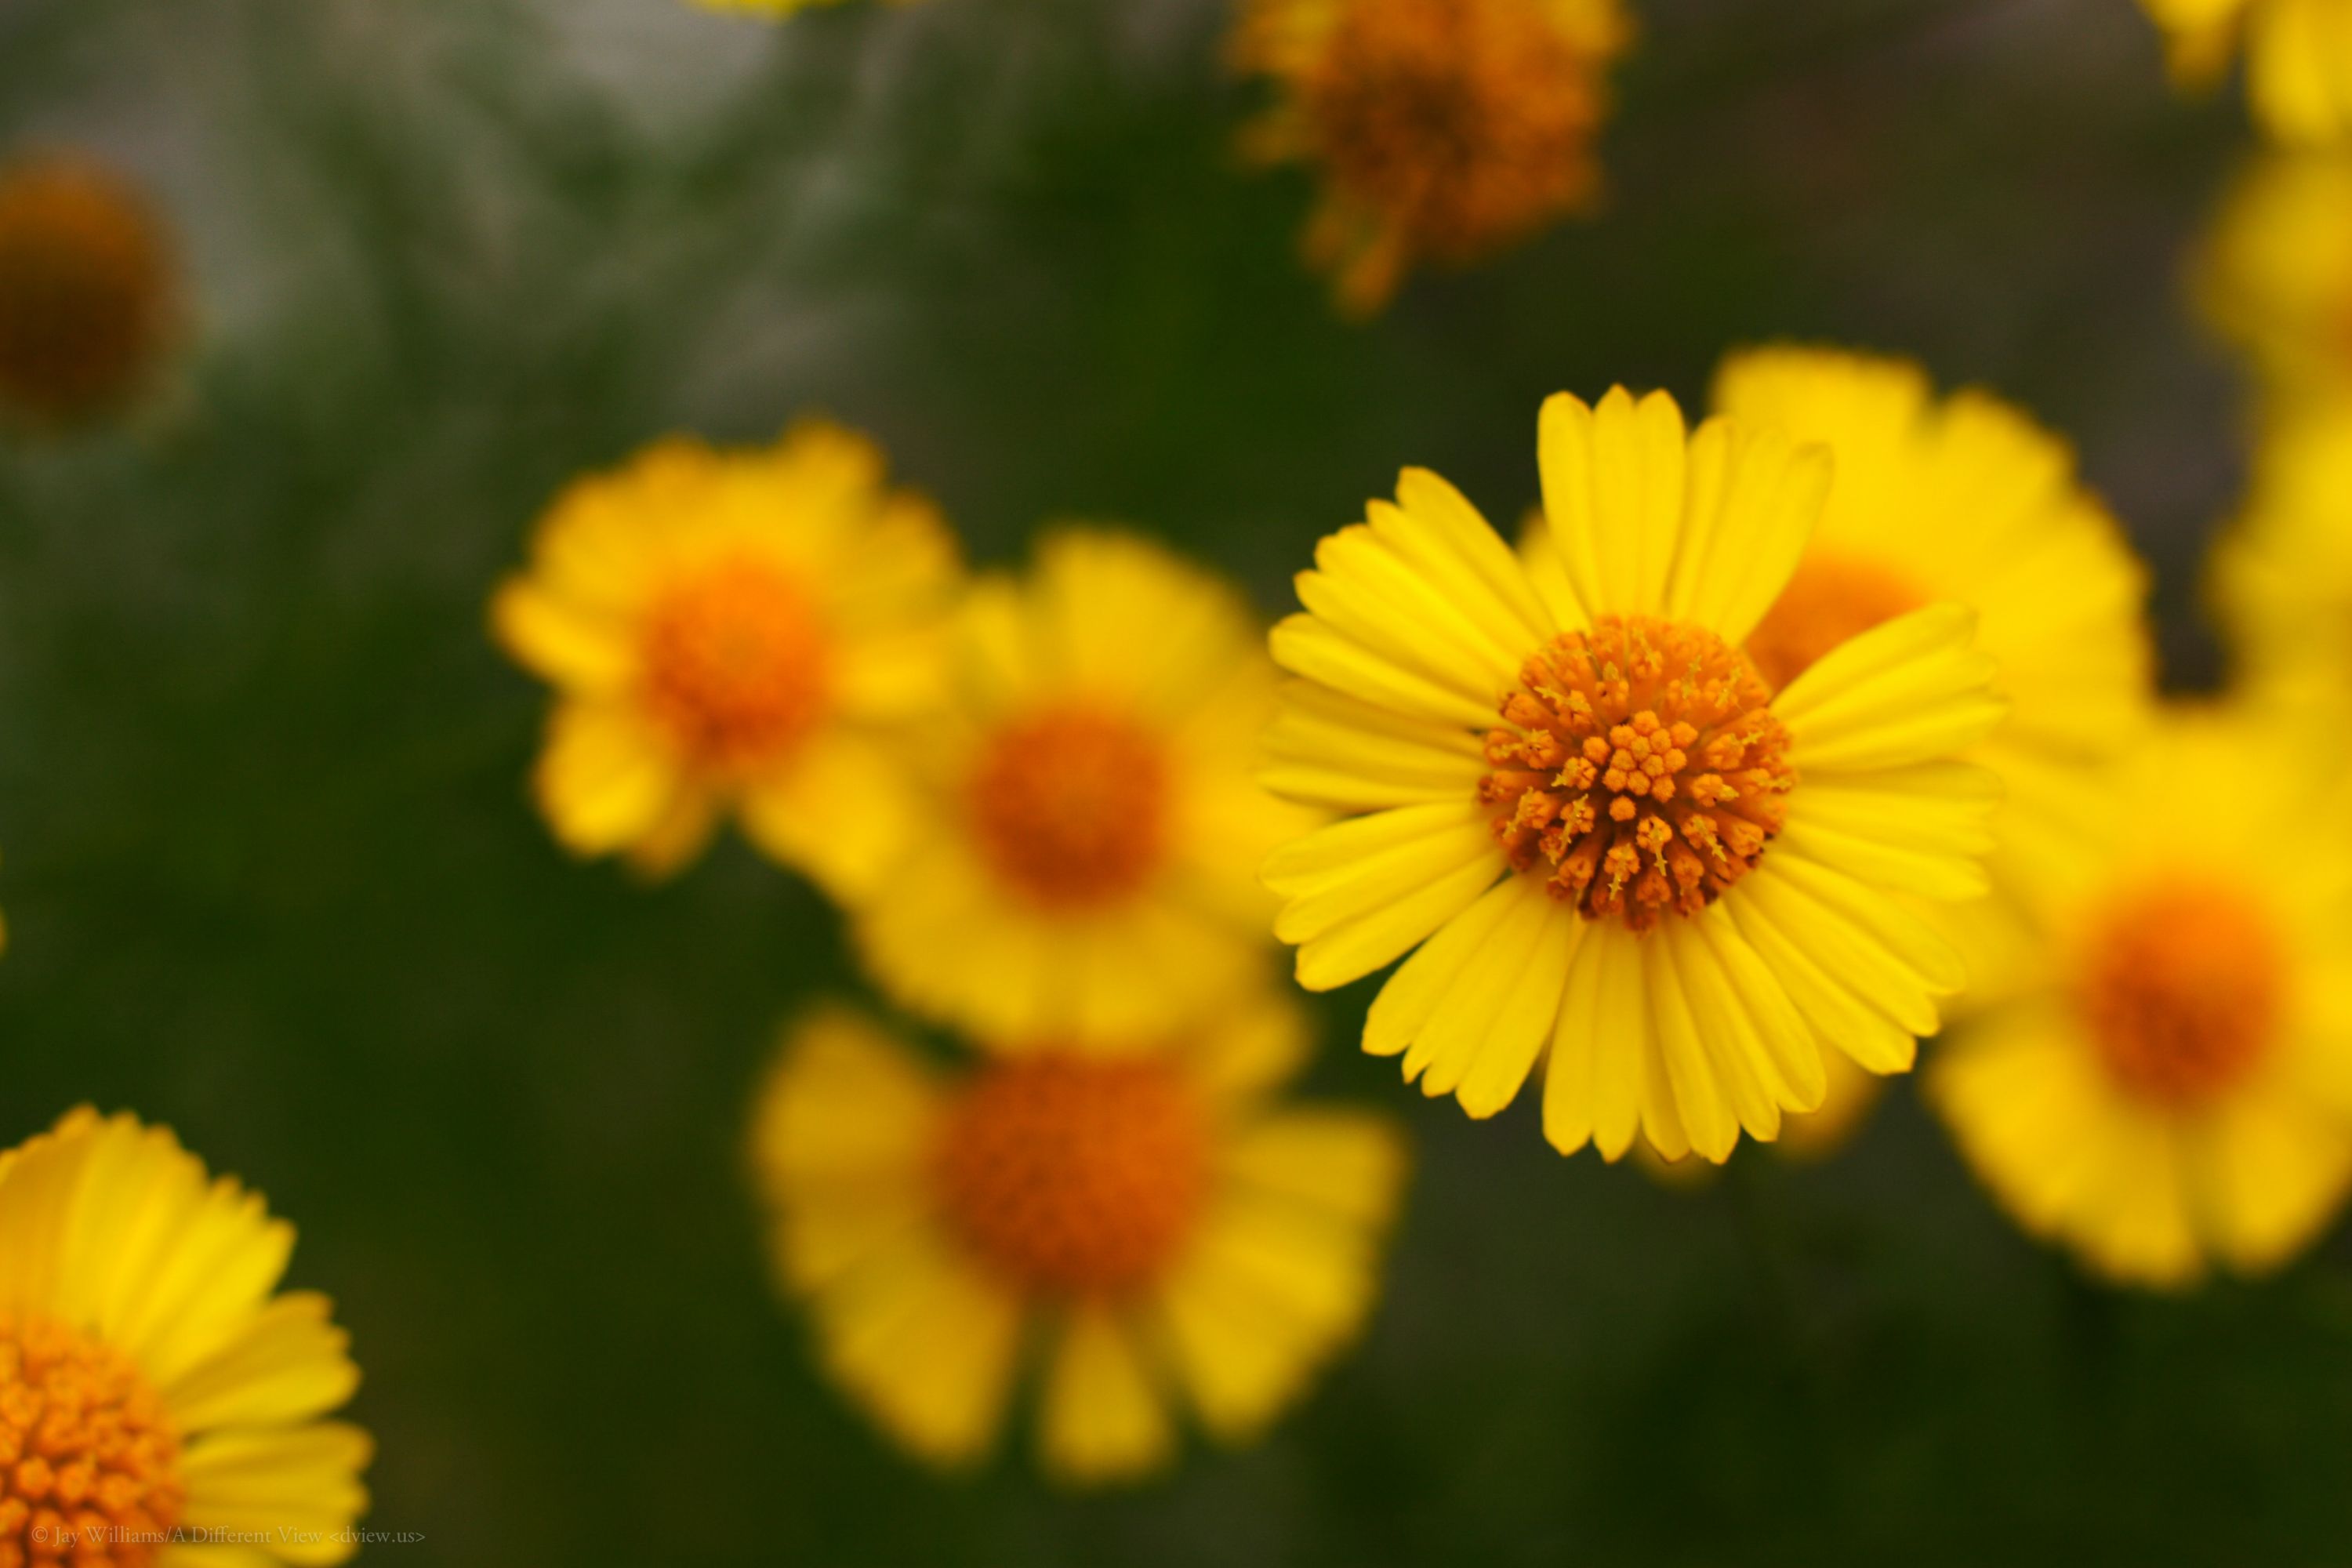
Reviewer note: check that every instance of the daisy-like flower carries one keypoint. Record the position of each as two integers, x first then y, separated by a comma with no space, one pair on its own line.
1965,498
150,1380
1149,1225
2282,573
1669,881
2171,1091
87,299
1085,861
1445,131
2298,58
2275,278
733,633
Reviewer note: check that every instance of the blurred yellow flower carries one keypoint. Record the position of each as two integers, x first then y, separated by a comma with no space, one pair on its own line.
148,1379
1085,862
1445,131
2276,276
2282,573
2298,58
733,632
2174,1088
1966,499
88,294
1676,881
1150,1225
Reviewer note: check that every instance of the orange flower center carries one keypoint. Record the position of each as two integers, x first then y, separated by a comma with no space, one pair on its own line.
1639,768
1070,806
85,291
1466,123
1074,1177
2182,984
89,1463
1831,599
735,664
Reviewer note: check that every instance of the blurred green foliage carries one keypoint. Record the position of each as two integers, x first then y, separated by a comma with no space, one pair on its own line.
272,878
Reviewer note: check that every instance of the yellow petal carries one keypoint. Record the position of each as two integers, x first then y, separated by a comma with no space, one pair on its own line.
1101,1420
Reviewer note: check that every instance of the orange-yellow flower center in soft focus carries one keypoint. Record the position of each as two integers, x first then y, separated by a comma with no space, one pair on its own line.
2181,986
86,297
1640,768
1831,599
1076,1177
1070,806
89,1460
735,663
1466,123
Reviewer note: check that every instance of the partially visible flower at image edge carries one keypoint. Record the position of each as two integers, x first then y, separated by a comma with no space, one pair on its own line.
2298,58
734,634
1083,866
149,1379
2275,277
1443,130
1161,1231
2176,1089
1672,885
2280,574
89,290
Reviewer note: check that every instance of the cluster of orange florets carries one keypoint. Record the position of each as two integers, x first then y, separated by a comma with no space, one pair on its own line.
89,1460
2180,987
1075,1176
1640,767
735,664
1070,804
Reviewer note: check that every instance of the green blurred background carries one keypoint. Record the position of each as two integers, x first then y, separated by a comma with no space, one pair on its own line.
272,878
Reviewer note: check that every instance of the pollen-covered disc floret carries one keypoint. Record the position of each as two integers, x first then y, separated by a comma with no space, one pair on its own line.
1078,1177
2181,986
1639,769
734,664
89,1463
1070,806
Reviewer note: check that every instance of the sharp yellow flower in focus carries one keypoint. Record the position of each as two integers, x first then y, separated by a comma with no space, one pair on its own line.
734,632
1966,499
87,291
2173,1090
1084,864
2298,58
1443,131
1152,1227
1672,884
150,1381
2275,278
2282,573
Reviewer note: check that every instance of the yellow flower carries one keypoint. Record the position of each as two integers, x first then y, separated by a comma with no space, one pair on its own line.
1147,1224
2276,276
148,1379
1084,864
1675,882
1965,500
733,632
1444,130
2173,1087
2298,58
86,290
2282,573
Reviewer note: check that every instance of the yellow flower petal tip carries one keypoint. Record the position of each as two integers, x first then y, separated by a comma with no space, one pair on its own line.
1445,131
1087,833
735,634
1600,839
1175,1241
2298,59
150,1378
88,291
2173,1092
